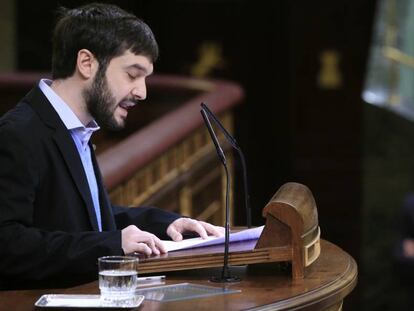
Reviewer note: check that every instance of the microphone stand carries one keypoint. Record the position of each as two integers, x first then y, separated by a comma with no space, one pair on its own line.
236,146
246,190
225,276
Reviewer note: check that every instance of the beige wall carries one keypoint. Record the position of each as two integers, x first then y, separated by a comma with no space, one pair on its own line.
7,36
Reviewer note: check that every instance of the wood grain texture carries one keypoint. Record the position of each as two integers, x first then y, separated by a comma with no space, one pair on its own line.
240,253
263,287
282,239
292,221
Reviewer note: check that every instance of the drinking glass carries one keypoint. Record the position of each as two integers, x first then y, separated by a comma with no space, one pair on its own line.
118,280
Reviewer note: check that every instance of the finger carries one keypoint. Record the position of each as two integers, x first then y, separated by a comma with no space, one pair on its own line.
159,245
195,226
213,230
153,248
143,248
174,234
155,245
149,239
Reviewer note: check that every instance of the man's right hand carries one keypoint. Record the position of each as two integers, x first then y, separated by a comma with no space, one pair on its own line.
136,240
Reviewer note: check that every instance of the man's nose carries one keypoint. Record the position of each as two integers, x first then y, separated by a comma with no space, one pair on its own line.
140,91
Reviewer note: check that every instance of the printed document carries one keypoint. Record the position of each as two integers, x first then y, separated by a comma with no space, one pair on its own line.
247,234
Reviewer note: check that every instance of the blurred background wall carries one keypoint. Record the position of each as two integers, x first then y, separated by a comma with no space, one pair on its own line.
7,35
303,66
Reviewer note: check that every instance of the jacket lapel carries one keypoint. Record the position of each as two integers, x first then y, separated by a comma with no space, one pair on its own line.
107,217
71,156
67,148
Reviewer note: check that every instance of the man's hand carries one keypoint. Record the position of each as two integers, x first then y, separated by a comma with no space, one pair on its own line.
203,229
136,240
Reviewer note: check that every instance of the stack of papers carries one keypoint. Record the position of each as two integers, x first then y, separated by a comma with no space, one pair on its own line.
244,235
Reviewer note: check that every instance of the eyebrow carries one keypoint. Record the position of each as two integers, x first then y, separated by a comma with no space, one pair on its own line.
138,67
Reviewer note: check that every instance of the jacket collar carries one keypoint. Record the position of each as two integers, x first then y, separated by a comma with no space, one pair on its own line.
36,99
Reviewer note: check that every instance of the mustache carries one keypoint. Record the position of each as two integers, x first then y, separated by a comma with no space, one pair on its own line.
129,101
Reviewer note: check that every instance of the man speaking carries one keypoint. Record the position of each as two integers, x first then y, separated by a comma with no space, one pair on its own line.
55,216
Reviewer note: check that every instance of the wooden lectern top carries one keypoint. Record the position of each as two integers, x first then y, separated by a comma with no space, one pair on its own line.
327,282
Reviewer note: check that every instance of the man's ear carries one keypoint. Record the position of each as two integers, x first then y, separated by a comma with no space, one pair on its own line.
86,64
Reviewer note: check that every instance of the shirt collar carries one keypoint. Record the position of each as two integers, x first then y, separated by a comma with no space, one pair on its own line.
65,113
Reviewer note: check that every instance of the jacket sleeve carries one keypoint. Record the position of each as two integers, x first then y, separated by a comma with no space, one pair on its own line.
29,256
151,219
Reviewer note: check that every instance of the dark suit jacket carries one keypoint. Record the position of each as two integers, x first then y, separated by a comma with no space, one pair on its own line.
48,228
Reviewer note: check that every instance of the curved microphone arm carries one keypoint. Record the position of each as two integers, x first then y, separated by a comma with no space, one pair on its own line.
246,190
236,146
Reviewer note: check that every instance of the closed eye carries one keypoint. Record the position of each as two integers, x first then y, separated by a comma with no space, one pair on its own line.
131,76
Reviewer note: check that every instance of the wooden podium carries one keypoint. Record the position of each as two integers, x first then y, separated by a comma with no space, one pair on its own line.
291,234
328,281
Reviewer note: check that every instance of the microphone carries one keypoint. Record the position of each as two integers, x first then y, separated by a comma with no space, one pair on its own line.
225,273
214,138
236,146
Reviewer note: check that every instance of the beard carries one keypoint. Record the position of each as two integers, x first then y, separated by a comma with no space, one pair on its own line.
101,103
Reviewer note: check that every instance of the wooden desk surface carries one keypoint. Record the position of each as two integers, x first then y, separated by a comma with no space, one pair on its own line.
264,287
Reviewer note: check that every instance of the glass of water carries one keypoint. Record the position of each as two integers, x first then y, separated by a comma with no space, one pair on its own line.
118,280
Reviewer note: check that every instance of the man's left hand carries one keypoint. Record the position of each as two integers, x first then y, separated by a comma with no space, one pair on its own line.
203,229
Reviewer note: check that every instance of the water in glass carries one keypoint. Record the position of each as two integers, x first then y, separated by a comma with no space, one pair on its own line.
117,286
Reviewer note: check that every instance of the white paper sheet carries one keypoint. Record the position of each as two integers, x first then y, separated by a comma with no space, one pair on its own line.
248,234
